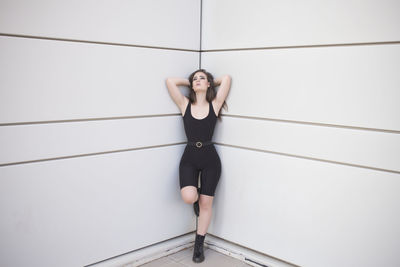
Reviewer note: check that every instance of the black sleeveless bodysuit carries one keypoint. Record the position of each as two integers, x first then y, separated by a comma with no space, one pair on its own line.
204,159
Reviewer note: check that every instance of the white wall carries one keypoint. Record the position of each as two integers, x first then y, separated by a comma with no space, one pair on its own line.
85,174
310,145
310,158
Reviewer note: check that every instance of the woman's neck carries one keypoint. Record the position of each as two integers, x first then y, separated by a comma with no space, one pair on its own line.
201,97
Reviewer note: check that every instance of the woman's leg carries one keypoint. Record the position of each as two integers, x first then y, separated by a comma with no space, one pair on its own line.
189,194
205,203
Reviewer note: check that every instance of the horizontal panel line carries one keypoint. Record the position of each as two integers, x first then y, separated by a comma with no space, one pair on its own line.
141,249
194,50
225,115
309,158
95,42
92,119
217,143
313,123
299,46
92,154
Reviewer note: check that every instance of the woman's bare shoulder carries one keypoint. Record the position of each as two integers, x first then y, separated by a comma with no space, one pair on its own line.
216,107
184,105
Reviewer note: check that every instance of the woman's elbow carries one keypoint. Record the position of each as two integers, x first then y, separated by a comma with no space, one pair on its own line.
227,77
169,80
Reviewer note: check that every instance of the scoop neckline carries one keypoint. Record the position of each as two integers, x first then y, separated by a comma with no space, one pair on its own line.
202,118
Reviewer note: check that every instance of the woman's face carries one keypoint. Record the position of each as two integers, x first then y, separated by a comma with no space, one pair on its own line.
200,82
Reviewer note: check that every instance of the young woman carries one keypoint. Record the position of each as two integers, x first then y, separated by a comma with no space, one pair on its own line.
200,112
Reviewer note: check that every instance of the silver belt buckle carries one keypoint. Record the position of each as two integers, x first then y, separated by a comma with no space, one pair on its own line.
199,144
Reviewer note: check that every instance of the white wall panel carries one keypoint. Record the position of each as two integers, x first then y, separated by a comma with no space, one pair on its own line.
55,80
77,211
355,86
74,212
40,141
353,146
307,212
257,23
172,23
81,210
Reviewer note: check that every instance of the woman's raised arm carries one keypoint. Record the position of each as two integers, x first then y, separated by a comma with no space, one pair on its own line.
224,83
175,93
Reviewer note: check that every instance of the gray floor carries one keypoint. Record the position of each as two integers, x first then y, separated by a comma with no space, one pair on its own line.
184,258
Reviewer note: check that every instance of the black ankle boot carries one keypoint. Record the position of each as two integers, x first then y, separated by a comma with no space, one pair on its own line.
196,207
198,253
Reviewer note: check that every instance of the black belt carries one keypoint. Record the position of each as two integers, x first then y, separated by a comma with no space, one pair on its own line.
199,144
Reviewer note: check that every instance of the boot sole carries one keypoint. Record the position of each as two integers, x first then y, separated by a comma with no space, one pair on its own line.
197,260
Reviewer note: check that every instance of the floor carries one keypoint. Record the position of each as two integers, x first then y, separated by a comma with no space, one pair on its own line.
184,258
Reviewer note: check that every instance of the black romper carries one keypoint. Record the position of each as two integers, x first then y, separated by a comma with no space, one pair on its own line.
205,158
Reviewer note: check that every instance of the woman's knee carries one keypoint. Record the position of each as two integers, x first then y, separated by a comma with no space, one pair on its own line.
205,202
189,194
